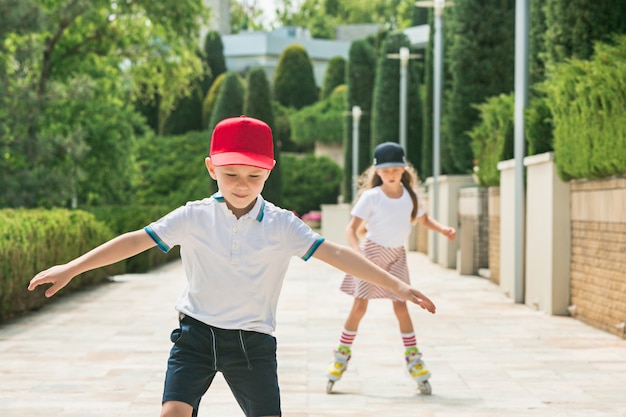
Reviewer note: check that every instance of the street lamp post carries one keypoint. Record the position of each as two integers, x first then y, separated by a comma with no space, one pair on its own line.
403,55
356,117
438,6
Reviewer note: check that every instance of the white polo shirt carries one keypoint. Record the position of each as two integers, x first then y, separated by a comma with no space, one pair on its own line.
234,267
388,219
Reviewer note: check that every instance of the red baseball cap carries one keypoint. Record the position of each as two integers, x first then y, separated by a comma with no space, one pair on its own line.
242,141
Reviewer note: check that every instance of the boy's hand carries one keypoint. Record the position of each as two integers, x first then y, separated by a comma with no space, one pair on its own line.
423,301
58,276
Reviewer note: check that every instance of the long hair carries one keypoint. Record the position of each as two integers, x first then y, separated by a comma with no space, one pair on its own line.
370,179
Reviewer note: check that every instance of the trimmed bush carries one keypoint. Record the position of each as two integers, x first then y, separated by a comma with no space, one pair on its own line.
294,82
322,122
34,240
173,170
122,219
258,104
361,74
588,104
309,182
492,138
334,77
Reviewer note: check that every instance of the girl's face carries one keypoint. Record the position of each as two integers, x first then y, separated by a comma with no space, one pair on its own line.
239,184
391,176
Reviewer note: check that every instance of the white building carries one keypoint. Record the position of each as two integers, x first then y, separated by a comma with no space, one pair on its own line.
263,49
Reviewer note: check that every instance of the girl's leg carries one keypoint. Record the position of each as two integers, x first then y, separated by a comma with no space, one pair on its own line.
359,307
343,352
403,316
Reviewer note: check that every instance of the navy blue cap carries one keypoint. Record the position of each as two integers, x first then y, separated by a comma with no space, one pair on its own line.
389,154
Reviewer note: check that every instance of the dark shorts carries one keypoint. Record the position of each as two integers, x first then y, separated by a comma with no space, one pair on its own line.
246,359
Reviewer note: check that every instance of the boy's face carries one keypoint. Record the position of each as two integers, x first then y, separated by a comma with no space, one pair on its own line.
239,184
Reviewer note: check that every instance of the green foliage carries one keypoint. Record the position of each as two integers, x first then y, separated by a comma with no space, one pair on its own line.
335,76
426,169
386,102
480,58
258,104
68,73
294,82
229,101
173,170
214,53
588,103
322,122
309,182
321,16
209,100
573,26
282,130
492,137
34,240
360,78
127,218
538,126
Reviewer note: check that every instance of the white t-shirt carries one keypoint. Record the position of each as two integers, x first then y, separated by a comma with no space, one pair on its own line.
234,267
388,220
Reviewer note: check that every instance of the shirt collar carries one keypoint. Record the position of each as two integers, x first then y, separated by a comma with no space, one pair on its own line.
256,212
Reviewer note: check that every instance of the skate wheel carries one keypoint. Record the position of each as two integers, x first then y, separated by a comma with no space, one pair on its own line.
425,388
329,387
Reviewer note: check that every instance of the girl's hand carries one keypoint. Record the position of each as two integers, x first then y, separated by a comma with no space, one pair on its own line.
59,276
449,232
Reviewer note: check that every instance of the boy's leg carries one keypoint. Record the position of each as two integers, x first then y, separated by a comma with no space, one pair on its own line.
190,368
248,363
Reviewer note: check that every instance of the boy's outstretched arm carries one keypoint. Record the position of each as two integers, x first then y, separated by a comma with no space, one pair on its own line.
117,249
353,263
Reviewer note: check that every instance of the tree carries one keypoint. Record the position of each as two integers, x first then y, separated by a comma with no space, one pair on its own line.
335,76
258,104
76,70
229,100
572,27
294,81
429,94
386,102
360,77
214,53
480,58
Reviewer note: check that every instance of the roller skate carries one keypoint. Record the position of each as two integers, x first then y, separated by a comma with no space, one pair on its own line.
417,369
337,367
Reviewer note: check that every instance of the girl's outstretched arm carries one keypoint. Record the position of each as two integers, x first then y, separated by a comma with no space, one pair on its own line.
117,249
353,263
435,226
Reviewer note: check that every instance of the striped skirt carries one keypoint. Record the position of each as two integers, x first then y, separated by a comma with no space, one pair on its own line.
392,260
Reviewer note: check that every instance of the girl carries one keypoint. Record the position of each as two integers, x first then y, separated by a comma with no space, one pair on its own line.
386,207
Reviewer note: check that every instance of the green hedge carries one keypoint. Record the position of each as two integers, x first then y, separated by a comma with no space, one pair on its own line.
492,138
122,219
309,182
322,122
34,240
588,104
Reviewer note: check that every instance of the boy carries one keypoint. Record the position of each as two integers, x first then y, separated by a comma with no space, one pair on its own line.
235,249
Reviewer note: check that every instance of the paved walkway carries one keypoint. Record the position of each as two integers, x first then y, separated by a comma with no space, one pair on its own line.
102,353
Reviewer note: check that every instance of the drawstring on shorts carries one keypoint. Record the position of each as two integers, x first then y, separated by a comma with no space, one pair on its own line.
243,349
